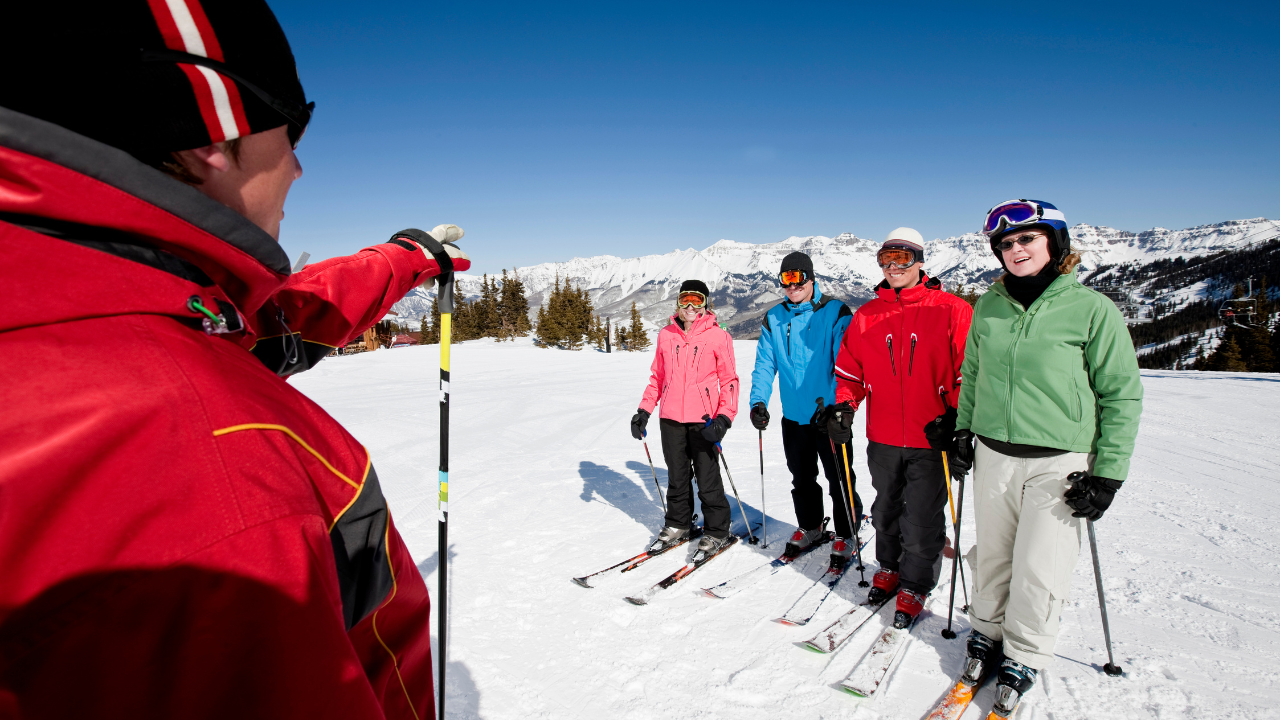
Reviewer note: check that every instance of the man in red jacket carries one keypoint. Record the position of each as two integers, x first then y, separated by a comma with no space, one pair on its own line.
902,354
182,534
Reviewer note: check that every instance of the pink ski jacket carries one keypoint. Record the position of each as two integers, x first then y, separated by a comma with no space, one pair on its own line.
693,373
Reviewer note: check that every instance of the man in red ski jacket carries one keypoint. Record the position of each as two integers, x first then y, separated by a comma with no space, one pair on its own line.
902,354
182,534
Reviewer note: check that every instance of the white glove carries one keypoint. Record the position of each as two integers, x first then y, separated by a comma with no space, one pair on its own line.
447,233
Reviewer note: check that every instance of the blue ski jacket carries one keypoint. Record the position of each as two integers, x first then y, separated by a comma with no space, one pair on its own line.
799,343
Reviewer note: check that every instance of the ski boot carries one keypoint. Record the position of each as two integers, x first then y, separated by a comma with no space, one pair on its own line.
841,551
668,537
910,603
883,586
802,540
709,545
982,655
1013,682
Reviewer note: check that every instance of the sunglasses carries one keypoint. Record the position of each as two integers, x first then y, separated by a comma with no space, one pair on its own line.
691,300
1023,240
792,278
895,257
299,116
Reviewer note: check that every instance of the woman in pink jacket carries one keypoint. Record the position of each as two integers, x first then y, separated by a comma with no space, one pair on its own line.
695,377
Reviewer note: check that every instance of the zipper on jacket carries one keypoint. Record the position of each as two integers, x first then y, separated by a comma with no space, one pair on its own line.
888,340
911,364
788,340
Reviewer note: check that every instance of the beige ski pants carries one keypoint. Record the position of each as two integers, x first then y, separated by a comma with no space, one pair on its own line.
1028,545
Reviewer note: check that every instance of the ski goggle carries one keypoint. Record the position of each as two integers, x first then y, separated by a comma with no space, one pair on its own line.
895,257
691,299
1025,240
792,278
1012,213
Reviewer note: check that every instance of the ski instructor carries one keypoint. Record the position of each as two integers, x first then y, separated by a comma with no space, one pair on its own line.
902,355
182,533
695,378
798,343
1053,395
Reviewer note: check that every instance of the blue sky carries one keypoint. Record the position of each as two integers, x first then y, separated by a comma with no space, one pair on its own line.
549,132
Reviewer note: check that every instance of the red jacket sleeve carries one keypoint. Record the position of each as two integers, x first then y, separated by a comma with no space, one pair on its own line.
333,301
961,317
848,369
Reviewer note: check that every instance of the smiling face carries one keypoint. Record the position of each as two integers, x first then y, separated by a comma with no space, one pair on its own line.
689,314
797,294
900,279
1026,260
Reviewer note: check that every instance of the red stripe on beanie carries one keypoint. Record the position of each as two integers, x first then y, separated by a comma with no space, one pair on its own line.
202,83
213,50
204,99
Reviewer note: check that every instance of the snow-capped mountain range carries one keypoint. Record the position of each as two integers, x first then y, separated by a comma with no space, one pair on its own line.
742,276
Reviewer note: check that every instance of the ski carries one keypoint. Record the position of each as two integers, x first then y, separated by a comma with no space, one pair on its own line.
845,627
735,585
643,598
956,701
873,669
808,604
637,561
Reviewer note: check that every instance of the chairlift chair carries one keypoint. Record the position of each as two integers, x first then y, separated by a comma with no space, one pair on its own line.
1239,311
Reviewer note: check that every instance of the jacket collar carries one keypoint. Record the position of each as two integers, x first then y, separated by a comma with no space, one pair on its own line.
807,305
1060,285
52,174
913,294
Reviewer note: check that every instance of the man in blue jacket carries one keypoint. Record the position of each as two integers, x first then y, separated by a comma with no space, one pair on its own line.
798,342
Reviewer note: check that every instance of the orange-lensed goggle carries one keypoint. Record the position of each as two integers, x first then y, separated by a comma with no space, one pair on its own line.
896,257
788,278
691,300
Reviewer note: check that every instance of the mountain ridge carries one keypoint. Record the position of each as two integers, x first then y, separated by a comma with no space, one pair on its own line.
743,285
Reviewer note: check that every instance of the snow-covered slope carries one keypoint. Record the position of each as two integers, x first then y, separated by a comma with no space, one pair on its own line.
558,488
742,275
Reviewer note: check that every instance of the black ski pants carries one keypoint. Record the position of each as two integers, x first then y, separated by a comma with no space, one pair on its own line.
909,513
688,454
804,445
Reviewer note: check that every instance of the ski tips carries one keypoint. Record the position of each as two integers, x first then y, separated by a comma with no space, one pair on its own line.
582,582
707,592
637,601
812,648
784,621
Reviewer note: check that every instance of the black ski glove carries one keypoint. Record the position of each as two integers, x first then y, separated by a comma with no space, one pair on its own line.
715,429
759,416
638,421
941,431
840,422
1090,495
962,453
821,416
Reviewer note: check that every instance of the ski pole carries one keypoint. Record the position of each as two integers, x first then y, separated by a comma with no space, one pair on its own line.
764,512
720,451
948,633
445,298
1110,668
957,513
645,434
848,501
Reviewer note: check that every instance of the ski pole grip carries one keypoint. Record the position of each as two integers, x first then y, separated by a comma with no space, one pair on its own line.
436,248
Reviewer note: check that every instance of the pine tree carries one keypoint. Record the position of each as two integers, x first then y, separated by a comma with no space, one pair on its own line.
1230,356
514,306
462,326
639,339
548,331
620,337
485,317
424,328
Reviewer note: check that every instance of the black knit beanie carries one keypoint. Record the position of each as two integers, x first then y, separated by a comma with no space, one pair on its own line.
152,76
695,286
797,261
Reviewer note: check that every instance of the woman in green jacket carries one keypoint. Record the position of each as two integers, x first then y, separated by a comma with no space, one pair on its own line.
1052,395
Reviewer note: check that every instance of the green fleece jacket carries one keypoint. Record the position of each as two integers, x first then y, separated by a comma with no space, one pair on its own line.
1061,374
